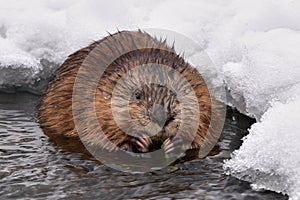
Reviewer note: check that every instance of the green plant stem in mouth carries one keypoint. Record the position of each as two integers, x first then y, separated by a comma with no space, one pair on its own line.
158,140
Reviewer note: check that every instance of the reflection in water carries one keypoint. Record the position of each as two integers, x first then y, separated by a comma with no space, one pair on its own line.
32,166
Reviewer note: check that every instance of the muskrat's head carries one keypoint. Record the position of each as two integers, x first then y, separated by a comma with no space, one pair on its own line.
157,108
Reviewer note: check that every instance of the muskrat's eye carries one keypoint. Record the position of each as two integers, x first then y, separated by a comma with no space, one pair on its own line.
138,95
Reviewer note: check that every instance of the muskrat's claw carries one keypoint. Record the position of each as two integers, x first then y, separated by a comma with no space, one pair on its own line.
142,142
172,144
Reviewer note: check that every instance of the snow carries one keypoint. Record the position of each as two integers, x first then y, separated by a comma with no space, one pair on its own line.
255,46
270,155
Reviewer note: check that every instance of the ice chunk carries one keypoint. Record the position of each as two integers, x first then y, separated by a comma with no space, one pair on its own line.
270,154
268,66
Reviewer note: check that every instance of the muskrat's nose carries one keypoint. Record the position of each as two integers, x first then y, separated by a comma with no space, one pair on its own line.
158,115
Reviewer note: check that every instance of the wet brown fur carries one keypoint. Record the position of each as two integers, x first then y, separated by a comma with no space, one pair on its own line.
55,113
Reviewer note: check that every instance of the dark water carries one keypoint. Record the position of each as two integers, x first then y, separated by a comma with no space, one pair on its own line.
32,167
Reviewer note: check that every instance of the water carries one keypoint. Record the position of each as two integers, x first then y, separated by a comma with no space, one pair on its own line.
33,167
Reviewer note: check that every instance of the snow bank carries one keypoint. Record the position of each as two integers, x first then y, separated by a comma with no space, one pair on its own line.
270,155
37,36
268,66
255,46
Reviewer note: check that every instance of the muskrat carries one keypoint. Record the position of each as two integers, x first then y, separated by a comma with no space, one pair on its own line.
150,103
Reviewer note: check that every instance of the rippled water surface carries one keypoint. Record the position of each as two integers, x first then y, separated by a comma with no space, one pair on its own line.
33,167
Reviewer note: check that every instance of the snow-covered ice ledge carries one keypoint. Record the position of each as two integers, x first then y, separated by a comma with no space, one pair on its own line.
270,154
265,84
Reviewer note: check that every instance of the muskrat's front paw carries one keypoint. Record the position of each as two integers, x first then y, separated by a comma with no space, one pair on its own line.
172,144
141,142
